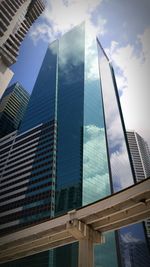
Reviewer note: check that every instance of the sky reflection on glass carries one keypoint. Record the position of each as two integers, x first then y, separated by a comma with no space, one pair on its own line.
131,238
96,180
119,160
95,165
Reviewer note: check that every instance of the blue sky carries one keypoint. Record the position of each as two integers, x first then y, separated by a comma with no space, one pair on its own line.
123,27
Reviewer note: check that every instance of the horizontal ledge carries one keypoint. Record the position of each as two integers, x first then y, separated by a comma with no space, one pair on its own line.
53,233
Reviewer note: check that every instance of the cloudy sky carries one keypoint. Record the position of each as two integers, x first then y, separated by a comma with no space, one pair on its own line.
123,27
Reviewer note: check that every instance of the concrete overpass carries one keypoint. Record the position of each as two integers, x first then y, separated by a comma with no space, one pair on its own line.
85,225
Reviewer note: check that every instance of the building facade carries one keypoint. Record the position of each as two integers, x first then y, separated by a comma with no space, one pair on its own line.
140,155
13,105
141,161
16,19
27,177
90,160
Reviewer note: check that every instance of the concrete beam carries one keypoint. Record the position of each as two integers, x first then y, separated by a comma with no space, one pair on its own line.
85,225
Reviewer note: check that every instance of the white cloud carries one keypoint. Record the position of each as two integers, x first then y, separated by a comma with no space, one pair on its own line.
95,188
120,164
129,238
67,53
91,52
134,83
91,55
121,171
95,168
121,82
66,14
41,31
128,241
94,144
60,16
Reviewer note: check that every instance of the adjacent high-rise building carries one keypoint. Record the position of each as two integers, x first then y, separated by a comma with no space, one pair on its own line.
17,16
13,105
27,172
70,150
141,161
140,155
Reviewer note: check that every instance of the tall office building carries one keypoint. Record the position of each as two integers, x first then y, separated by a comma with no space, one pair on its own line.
27,172
140,155
13,105
17,16
141,161
71,153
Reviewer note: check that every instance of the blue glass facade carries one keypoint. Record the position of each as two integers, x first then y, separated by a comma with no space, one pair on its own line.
41,108
82,166
96,184
89,153
121,171
70,119
132,238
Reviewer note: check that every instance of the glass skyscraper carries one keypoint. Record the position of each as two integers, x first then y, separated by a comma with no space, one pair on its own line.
133,237
140,153
76,93
141,161
13,105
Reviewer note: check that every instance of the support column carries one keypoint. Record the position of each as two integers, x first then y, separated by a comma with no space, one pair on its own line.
85,256
86,237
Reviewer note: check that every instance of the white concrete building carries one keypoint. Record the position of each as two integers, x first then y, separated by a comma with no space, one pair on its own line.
17,17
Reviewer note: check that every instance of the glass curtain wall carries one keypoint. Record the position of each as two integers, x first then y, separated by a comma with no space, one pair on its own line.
70,119
82,164
96,179
92,157
70,100
42,104
95,182
130,238
42,111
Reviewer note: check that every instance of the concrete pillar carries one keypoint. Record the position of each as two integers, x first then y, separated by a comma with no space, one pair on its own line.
85,256
86,236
